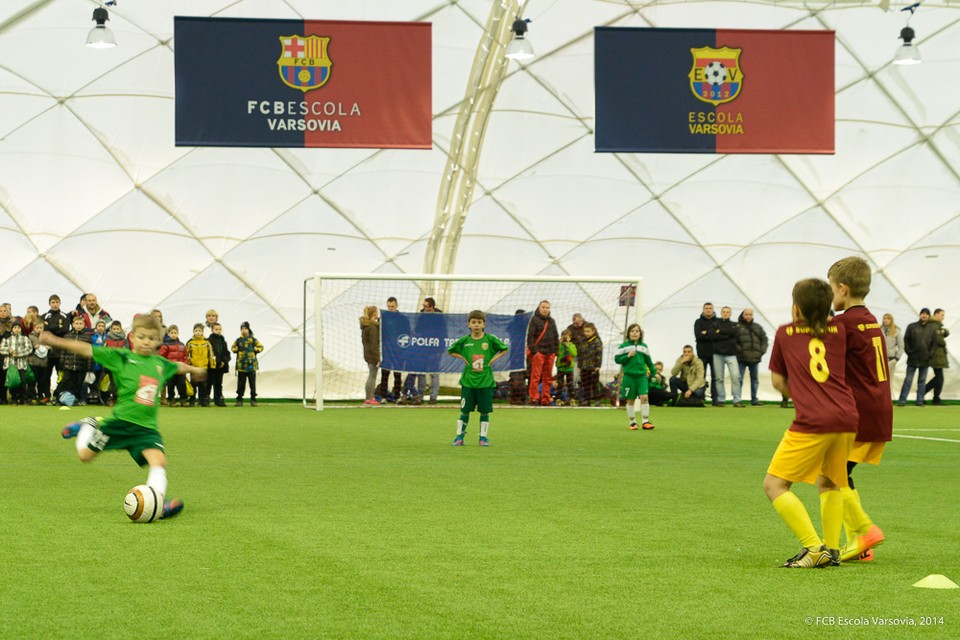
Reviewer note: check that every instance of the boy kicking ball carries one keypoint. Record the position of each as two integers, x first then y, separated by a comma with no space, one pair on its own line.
478,351
140,375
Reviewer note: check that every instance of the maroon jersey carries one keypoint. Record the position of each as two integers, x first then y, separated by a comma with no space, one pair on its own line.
814,368
868,374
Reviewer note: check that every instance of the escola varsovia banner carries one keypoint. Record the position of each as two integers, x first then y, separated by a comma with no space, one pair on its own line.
302,83
714,90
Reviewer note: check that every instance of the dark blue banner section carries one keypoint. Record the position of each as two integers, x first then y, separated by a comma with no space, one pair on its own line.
418,342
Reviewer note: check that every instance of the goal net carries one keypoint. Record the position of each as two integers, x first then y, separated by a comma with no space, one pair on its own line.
414,343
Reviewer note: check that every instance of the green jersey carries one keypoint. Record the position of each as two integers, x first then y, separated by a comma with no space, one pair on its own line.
478,352
639,364
140,381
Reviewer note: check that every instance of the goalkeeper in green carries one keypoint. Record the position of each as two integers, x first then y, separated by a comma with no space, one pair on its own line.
637,366
479,351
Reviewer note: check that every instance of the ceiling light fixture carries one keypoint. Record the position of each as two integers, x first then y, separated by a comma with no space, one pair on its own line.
519,47
101,37
908,53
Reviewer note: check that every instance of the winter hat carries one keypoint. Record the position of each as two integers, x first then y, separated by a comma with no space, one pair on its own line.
924,311
245,325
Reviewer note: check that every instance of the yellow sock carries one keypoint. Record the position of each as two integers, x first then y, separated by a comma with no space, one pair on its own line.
855,519
831,514
793,512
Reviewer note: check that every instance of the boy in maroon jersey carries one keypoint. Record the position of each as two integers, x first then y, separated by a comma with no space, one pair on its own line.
807,363
868,376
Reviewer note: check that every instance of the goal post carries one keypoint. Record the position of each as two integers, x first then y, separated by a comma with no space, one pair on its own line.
334,371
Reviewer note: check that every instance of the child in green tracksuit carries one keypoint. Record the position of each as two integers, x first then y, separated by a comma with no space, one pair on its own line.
566,356
479,351
637,366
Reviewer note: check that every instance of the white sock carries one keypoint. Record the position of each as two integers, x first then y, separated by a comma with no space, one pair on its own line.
484,427
157,478
645,411
86,433
631,411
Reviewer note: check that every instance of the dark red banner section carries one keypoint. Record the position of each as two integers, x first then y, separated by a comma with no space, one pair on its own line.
295,83
787,100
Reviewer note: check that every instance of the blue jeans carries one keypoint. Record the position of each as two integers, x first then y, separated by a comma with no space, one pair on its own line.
908,381
730,362
754,369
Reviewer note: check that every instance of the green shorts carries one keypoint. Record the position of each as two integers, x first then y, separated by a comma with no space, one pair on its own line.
632,386
120,434
479,399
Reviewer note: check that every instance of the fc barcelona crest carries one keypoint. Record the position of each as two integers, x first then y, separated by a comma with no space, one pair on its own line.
304,63
716,76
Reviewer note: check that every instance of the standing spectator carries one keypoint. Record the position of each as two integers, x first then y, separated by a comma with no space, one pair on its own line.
57,323
221,354
80,309
751,345
938,359
6,324
393,395
429,306
93,313
31,319
576,331
74,367
918,342
591,358
687,379
200,355
212,318
176,352
543,341
15,348
894,339
246,347
724,342
156,313
370,337
39,361
566,358
703,332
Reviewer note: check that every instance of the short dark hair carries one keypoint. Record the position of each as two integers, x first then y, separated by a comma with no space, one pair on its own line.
391,299
476,314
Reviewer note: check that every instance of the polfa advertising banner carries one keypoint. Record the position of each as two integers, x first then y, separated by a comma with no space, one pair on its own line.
714,90
302,83
418,342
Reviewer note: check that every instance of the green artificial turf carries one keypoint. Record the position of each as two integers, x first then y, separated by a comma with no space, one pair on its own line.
366,523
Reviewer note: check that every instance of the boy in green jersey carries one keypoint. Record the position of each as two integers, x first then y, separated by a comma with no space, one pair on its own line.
140,375
637,366
479,351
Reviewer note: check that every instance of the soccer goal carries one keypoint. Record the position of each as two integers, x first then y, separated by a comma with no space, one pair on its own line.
414,344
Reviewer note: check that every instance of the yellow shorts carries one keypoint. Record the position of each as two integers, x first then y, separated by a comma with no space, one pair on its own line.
869,452
802,457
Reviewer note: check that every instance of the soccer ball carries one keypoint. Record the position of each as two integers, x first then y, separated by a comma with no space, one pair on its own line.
143,504
715,74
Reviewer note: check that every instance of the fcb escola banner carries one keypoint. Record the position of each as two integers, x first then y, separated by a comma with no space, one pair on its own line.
714,90
302,83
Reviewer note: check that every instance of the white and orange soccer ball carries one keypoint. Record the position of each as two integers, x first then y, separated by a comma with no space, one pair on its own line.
143,504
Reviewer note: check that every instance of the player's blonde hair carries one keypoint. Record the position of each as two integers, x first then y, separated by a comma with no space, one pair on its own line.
369,315
853,272
814,298
146,321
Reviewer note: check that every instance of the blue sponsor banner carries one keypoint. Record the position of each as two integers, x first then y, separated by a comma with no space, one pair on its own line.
418,342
